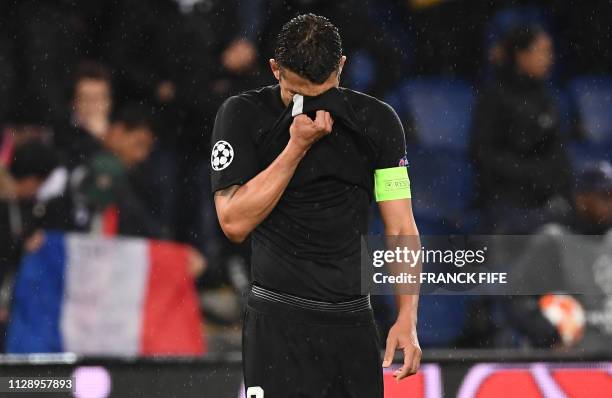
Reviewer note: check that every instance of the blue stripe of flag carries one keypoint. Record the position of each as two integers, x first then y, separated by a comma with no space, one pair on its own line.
37,299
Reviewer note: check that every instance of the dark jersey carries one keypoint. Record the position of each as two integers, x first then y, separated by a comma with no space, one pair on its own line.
309,245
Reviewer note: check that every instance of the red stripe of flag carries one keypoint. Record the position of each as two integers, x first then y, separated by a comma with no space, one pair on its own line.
172,322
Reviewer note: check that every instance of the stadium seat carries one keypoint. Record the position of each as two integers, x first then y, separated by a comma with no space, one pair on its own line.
441,109
565,107
442,190
442,320
582,154
360,72
593,97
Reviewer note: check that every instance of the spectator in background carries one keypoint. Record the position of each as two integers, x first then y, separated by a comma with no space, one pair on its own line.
523,172
89,120
30,165
127,144
130,137
550,253
592,209
100,196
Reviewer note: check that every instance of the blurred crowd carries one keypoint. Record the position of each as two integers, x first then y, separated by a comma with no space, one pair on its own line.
108,107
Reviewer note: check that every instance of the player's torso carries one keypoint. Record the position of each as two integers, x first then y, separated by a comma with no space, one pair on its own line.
315,228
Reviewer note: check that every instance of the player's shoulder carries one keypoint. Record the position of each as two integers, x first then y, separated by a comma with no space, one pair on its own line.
370,108
256,100
367,103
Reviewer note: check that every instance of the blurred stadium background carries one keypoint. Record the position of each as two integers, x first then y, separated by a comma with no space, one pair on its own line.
105,125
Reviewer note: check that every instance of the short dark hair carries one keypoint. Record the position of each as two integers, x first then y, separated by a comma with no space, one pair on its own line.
92,70
518,39
134,115
309,45
33,159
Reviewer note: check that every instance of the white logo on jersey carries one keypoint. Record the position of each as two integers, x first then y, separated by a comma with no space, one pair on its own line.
222,155
255,392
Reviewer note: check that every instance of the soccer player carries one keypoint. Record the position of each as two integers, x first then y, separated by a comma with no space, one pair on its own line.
295,165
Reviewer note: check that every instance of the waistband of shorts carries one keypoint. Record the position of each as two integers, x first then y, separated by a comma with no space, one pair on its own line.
290,307
358,304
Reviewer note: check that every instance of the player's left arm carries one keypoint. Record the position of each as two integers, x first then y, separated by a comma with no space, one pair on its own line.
393,194
399,222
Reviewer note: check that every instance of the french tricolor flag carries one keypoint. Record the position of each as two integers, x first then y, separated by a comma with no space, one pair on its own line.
96,295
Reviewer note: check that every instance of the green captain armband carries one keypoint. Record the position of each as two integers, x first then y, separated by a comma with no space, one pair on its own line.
391,184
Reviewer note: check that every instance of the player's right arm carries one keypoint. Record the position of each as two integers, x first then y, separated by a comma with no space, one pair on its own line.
241,207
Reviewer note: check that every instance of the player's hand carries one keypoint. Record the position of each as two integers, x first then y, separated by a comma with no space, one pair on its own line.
304,131
403,336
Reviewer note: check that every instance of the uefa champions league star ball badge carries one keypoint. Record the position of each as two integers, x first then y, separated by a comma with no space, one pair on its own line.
222,155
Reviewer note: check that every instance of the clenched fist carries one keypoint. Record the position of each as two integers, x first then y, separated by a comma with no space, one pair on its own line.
304,131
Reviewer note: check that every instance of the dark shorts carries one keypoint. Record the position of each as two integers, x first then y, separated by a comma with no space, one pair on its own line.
290,351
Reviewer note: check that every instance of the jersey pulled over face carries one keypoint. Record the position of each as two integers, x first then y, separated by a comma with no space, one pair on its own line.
309,245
